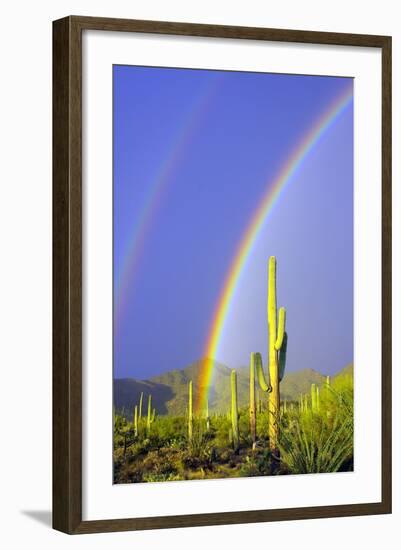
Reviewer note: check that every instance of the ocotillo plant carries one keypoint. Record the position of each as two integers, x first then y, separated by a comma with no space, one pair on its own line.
252,400
234,410
136,420
190,411
149,418
277,356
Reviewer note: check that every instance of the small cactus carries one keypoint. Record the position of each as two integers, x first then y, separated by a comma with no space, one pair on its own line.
149,418
207,416
234,410
190,411
315,401
136,420
140,405
252,400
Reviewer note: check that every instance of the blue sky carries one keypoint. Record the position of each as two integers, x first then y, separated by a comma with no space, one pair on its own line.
223,137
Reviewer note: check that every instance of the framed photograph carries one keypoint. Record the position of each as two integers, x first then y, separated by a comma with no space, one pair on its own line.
221,274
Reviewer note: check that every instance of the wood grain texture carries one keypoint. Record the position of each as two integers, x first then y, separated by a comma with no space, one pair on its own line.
67,274
67,277
386,276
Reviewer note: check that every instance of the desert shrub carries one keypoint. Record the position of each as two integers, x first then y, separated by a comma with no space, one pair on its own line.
257,464
320,441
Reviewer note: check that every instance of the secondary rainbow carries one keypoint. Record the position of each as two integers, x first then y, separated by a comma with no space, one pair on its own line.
251,234
155,194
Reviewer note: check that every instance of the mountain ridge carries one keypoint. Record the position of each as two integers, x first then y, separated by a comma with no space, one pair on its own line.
170,390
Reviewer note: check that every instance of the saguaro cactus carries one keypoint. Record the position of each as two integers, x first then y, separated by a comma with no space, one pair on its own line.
136,420
277,353
140,405
234,410
315,398
252,400
149,418
277,338
190,411
207,415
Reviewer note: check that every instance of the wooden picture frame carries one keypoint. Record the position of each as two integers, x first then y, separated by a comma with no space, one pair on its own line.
67,273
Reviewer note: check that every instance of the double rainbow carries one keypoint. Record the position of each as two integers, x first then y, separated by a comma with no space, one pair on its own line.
157,190
254,228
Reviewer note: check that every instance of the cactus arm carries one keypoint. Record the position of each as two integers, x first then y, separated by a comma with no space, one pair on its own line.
282,356
263,383
280,329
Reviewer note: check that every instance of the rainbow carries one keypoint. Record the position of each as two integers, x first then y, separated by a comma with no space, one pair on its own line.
249,239
155,194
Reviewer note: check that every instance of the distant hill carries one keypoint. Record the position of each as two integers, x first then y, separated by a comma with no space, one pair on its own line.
170,390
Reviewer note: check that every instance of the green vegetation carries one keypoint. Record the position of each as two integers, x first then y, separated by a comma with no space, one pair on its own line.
304,425
311,441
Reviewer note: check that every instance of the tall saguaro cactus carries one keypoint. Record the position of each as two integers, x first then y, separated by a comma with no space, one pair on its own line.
190,411
234,410
252,400
277,352
277,340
